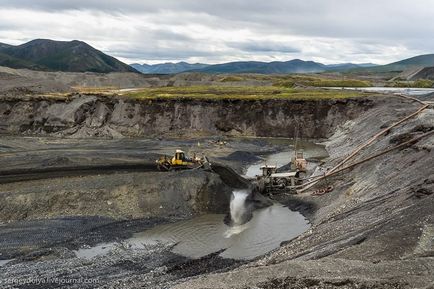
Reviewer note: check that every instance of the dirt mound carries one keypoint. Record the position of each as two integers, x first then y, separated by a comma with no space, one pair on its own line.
242,156
230,177
125,80
15,85
89,79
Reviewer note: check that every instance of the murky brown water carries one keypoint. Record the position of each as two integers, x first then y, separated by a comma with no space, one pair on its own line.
207,234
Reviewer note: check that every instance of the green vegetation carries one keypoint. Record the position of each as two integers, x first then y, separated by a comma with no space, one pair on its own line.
421,83
249,76
239,93
231,78
96,90
339,83
292,81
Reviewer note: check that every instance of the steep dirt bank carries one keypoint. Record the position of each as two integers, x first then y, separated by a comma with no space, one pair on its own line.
88,115
119,196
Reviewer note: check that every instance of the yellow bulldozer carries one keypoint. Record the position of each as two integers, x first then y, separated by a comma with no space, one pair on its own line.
180,161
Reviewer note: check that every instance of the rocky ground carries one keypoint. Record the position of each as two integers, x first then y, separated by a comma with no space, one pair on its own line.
374,230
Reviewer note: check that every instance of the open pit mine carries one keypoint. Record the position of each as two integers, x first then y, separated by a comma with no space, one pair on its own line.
168,184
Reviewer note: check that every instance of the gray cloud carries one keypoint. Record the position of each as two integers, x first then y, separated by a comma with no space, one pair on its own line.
210,7
267,46
322,30
314,17
152,53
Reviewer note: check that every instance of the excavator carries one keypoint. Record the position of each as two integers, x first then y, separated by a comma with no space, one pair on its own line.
180,162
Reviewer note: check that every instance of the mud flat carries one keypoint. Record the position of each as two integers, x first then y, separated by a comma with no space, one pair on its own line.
374,230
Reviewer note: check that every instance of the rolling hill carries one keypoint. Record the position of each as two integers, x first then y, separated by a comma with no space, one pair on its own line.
419,61
167,68
50,55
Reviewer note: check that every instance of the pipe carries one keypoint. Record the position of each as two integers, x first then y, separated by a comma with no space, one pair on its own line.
311,183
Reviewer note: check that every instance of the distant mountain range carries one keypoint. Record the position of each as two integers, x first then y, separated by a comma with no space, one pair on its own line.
50,55
347,66
292,66
167,68
78,56
275,67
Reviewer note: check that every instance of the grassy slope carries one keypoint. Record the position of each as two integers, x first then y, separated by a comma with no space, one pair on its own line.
420,83
293,80
278,87
316,81
239,93
10,61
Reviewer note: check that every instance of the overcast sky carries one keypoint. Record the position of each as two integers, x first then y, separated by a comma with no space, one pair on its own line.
215,31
